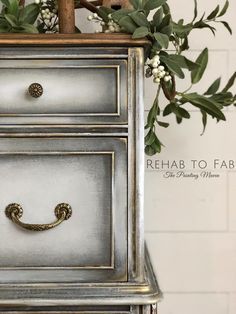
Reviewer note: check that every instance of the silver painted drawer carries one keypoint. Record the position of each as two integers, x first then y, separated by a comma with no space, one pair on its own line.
90,174
137,309
74,91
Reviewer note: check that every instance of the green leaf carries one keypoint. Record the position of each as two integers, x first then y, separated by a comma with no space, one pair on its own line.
139,18
183,62
167,110
197,74
156,145
225,98
185,45
152,114
11,19
225,8
163,124
226,25
214,13
117,15
214,87
4,26
158,17
201,25
175,110
103,12
153,4
182,30
179,120
128,24
204,120
172,66
28,28
167,30
230,83
140,32
30,13
184,113
191,65
6,3
195,10
162,39
165,22
150,151
13,7
150,138
205,104
166,8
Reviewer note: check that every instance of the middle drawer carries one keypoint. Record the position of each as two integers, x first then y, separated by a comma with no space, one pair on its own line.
88,174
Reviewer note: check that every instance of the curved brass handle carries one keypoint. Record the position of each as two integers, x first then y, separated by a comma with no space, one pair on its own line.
14,212
35,90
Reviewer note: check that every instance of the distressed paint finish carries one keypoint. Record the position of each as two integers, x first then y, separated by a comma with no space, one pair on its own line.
88,151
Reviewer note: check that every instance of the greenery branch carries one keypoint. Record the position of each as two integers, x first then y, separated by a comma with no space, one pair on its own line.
166,58
164,66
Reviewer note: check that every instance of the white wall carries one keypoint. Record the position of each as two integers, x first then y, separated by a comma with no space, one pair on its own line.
191,224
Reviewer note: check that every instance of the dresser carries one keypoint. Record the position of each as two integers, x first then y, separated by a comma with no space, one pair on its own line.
72,175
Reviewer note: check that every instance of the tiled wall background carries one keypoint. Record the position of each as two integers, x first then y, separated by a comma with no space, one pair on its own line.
191,224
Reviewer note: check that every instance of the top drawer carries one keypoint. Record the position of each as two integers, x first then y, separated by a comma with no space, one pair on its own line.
73,92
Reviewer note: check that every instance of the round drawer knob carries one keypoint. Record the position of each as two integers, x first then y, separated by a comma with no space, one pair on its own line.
36,90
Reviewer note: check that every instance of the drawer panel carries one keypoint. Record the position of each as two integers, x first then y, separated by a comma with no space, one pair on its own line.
73,91
89,174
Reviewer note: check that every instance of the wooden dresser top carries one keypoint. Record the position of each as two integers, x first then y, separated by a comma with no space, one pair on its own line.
83,40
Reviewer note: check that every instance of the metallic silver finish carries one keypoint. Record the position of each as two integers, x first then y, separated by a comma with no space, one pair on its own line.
65,295
75,91
136,164
82,144
90,173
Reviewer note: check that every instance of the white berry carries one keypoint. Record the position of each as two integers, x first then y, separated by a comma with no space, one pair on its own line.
111,28
167,78
156,58
156,80
155,64
162,74
155,71
161,68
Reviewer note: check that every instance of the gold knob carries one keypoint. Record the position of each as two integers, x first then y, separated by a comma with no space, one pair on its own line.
36,90
14,212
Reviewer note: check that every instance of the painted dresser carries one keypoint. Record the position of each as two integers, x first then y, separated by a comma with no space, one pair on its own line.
71,167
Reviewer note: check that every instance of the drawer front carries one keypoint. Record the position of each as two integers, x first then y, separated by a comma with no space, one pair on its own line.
89,174
92,309
72,91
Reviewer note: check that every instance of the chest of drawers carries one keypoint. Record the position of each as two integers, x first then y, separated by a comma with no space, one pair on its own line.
71,166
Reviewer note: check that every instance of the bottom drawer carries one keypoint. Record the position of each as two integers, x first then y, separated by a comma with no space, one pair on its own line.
142,309
87,174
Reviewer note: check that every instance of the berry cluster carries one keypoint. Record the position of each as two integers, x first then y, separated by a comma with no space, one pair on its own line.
48,16
109,27
157,70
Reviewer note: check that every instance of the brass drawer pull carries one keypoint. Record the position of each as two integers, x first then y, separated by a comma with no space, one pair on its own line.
14,212
36,90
